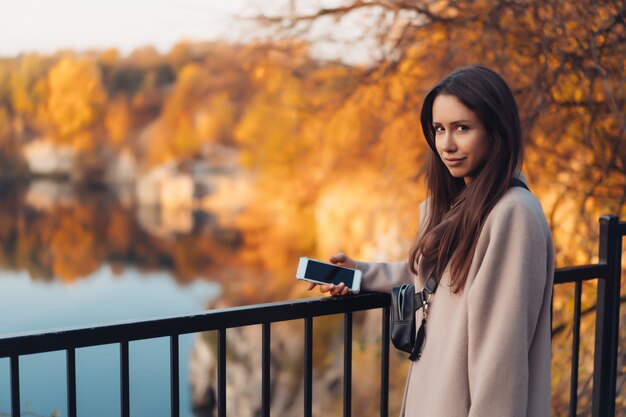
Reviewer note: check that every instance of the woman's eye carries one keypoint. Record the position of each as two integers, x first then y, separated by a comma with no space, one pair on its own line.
439,129
462,128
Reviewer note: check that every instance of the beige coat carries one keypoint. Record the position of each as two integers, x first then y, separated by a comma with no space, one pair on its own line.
487,350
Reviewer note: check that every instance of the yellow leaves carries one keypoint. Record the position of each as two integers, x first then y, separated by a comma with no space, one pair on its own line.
76,96
215,120
145,57
180,54
117,120
185,142
268,131
258,73
402,146
83,141
194,114
277,231
5,126
110,57
356,126
342,158
397,91
365,214
25,95
159,150
571,87
183,96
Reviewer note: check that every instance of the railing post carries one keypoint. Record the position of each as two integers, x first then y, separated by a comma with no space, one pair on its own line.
71,382
347,365
15,386
221,372
573,390
384,364
308,366
124,379
607,319
265,370
174,376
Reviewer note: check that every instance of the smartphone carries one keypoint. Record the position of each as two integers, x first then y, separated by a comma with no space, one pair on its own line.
326,273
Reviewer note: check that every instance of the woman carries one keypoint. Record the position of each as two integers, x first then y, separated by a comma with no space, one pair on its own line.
487,349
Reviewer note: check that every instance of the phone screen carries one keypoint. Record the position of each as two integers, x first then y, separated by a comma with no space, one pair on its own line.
330,274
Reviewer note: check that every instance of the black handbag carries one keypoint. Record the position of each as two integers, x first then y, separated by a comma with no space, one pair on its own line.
404,305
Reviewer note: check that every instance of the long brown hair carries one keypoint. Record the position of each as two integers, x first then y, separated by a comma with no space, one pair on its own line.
456,212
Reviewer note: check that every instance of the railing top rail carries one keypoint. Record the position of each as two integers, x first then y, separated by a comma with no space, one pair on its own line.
54,340
579,273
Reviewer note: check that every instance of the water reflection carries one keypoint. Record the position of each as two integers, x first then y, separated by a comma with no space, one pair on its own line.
57,231
73,256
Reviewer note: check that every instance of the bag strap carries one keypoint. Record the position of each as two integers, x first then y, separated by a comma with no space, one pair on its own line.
516,182
420,298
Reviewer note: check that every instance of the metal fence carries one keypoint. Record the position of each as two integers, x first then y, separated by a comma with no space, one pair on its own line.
606,271
219,320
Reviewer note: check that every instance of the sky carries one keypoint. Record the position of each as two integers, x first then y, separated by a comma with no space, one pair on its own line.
49,25
46,26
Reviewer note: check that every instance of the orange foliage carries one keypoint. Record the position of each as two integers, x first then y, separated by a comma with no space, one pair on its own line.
75,97
117,120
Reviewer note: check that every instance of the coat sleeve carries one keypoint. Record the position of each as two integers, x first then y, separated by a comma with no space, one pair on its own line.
504,301
383,276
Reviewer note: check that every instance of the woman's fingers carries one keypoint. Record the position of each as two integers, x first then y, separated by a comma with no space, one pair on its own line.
326,287
343,260
335,290
339,289
340,258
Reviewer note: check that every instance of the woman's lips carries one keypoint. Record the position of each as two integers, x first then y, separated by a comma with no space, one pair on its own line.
452,162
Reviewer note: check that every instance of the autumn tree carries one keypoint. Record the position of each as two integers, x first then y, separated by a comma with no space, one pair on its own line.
564,61
20,100
25,86
75,100
203,105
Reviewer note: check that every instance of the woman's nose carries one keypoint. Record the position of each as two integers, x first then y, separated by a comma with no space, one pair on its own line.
447,142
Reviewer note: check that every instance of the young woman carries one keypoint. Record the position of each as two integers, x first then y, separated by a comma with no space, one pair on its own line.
487,347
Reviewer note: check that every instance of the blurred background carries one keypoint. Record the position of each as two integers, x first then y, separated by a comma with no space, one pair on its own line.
165,157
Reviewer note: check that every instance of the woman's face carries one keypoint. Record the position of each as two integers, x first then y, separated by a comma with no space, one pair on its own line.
460,137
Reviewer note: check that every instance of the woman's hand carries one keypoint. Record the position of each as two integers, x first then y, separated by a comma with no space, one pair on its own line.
341,289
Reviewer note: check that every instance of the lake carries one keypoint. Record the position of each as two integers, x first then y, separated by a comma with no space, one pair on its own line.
77,257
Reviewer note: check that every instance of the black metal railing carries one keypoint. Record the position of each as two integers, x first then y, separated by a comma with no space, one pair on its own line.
220,321
607,271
